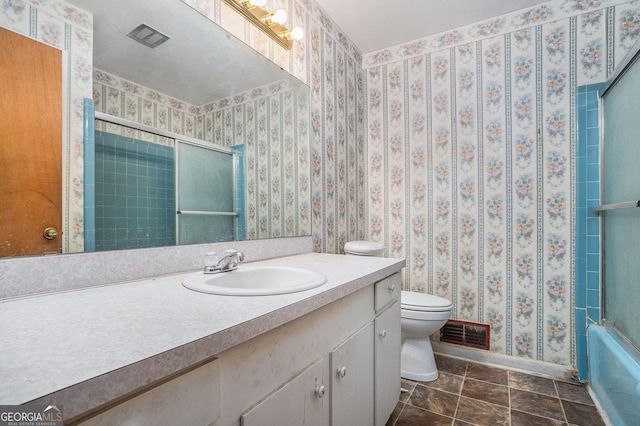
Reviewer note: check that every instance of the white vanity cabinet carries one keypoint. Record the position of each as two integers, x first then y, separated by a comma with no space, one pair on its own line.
337,390
195,395
360,384
387,347
337,365
352,380
302,401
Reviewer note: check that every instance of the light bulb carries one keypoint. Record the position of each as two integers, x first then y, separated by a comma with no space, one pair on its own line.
258,3
297,33
279,17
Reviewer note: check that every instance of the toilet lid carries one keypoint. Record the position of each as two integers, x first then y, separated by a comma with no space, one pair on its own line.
364,248
414,301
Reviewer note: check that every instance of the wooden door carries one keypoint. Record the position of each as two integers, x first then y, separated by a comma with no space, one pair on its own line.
30,145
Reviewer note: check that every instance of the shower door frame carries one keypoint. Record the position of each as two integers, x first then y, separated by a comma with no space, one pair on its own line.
212,147
177,138
632,57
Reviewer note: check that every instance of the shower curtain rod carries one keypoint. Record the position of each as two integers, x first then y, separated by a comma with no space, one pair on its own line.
616,206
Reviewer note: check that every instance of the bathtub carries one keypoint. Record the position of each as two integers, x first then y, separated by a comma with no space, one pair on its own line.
614,374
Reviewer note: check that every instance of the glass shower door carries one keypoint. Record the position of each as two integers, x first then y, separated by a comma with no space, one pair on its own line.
205,187
621,217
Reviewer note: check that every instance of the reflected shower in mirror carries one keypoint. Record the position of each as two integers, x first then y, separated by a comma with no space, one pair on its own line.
203,85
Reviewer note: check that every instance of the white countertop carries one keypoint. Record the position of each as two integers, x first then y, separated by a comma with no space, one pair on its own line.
81,347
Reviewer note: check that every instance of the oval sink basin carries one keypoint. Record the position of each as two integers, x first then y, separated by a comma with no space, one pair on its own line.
255,281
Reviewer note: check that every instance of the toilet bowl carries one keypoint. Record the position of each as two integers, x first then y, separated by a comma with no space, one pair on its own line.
421,316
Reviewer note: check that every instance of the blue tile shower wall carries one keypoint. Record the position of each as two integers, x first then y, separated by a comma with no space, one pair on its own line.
135,193
587,223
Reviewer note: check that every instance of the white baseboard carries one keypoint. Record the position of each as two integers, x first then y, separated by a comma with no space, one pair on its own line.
524,365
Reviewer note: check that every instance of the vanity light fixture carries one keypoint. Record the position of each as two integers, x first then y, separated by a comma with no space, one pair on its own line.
271,23
277,17
294,34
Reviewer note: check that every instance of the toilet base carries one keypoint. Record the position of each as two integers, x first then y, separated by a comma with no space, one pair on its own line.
417,361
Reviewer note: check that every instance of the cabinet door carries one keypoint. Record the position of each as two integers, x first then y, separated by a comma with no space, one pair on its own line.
352,380
299,402
387,363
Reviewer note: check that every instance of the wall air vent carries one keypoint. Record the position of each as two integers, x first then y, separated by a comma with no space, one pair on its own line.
148,36
465,334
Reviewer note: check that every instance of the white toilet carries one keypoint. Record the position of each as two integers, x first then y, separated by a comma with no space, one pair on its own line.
421,316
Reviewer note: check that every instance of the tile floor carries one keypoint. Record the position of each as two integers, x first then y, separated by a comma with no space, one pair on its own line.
473,394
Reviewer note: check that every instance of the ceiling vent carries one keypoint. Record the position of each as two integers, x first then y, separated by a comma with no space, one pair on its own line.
465,334
148,36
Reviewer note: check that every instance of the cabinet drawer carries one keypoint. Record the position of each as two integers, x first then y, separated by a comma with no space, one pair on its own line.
191,398
387,291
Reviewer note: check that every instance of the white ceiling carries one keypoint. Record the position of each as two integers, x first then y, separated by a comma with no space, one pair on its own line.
377,24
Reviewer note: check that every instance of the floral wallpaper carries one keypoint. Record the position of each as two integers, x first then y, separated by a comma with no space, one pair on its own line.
273,124
272,121
471,163
456,150
61,25
329,63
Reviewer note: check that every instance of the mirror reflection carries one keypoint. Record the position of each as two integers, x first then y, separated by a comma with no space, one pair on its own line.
202,89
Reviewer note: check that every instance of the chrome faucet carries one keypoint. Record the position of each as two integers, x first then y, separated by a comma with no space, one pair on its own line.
229,262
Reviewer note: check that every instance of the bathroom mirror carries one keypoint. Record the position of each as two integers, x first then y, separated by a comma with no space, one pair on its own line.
216,89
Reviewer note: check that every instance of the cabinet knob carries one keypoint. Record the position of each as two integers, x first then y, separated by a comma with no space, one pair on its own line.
383,333
391,287
320,391
342,371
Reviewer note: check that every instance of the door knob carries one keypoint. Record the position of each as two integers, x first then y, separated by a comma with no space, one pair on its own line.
50,233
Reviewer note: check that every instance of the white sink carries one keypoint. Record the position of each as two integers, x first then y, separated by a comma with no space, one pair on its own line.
255,281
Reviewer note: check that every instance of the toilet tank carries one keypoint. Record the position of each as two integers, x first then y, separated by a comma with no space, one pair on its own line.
364,248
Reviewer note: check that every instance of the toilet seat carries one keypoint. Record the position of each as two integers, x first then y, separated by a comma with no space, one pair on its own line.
421,302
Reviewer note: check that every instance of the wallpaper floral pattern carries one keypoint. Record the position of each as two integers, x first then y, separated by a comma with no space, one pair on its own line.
273,124
471,157
330,64
456,150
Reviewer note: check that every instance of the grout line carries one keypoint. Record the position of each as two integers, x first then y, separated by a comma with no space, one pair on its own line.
509,394
464,377
510,407
560,401
399,414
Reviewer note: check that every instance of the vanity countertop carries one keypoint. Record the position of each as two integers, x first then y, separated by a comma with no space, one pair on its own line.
85,347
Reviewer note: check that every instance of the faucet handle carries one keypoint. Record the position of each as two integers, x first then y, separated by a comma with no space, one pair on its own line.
238,254
211,258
